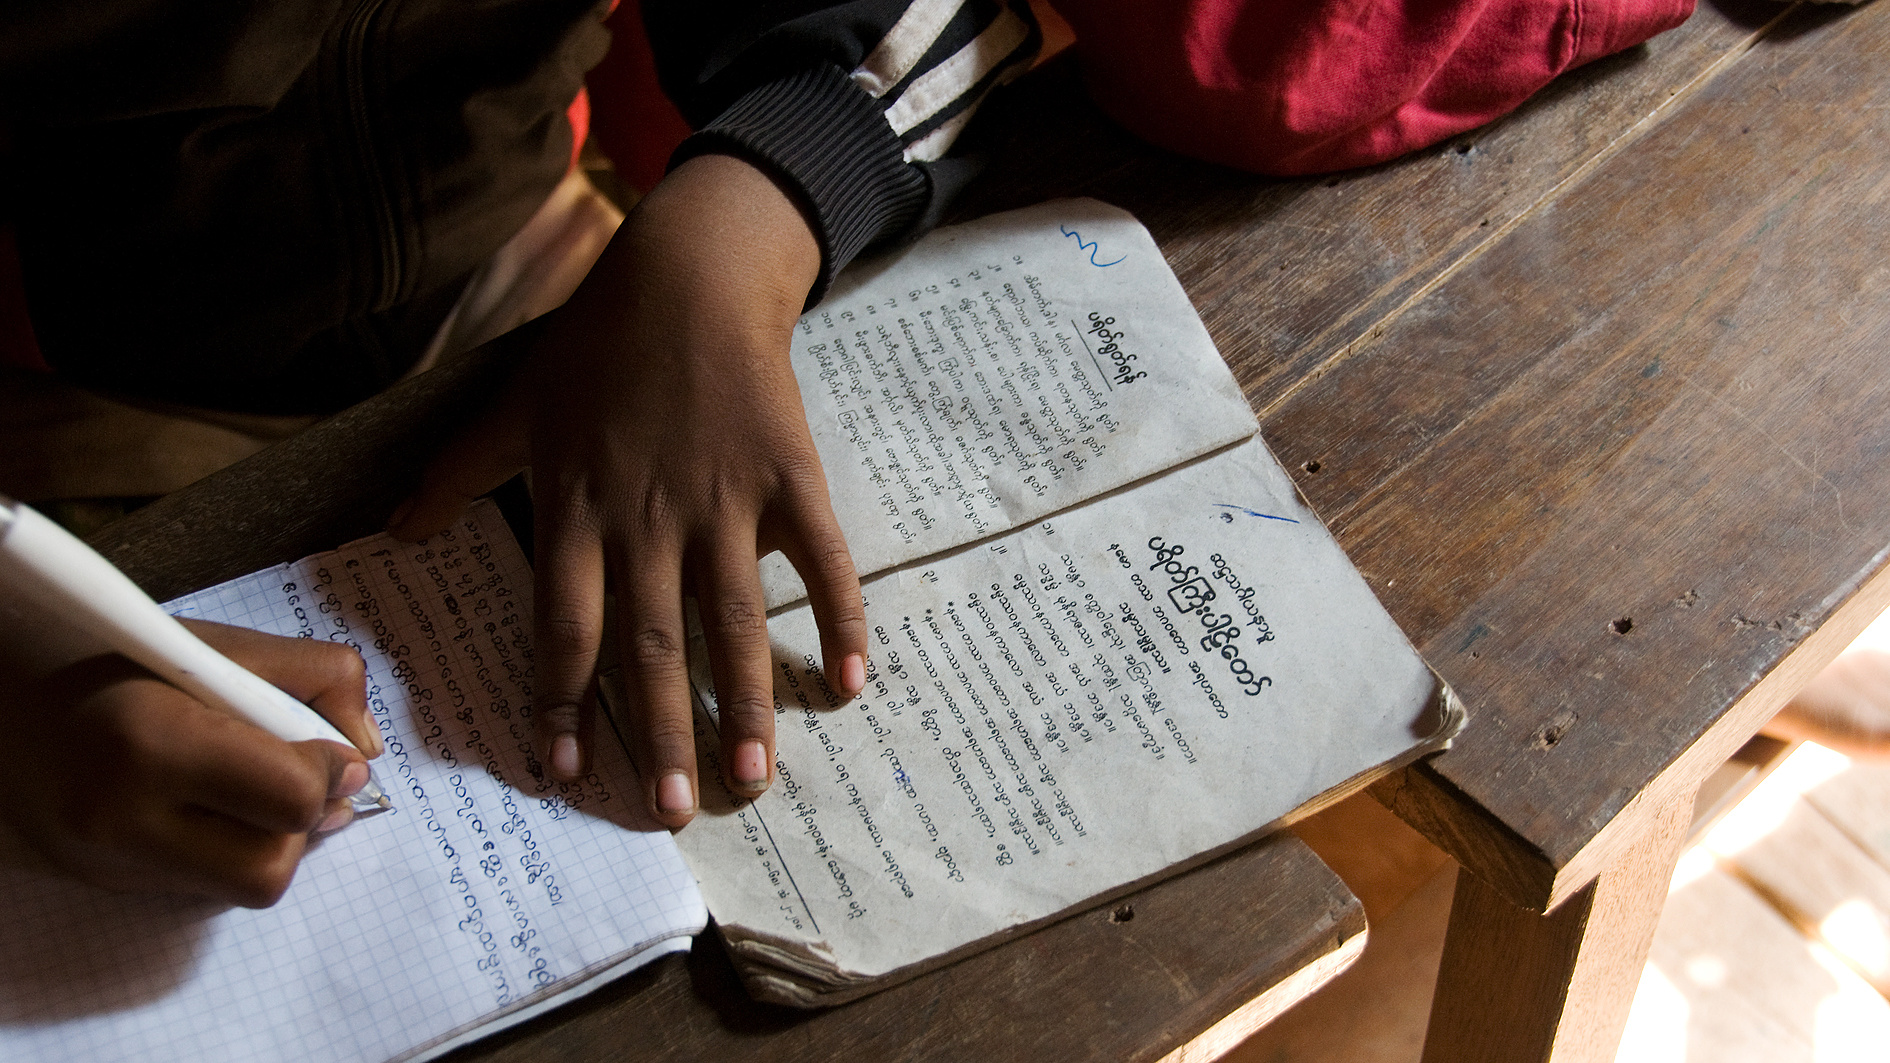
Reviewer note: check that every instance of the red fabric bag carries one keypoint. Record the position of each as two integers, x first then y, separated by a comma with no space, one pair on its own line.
1303,86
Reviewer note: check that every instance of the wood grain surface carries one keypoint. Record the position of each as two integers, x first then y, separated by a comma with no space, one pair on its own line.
1566,375
1290,275
1515,986
1131,981
1631,459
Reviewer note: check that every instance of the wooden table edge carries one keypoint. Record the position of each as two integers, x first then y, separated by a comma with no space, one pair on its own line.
1506,861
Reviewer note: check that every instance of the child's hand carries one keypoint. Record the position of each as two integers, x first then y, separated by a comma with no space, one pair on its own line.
126,782
669,451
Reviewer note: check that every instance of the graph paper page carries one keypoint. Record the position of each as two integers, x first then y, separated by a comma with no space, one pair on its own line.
486,894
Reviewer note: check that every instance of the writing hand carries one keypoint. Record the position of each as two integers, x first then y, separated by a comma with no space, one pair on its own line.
126,782
669,451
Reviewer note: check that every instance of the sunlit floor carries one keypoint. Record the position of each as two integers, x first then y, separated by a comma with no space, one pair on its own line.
1774,945
1775,942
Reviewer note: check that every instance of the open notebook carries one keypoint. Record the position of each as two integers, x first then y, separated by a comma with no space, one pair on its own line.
488,894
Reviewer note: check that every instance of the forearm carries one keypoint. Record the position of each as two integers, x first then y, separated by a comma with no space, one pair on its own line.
844,106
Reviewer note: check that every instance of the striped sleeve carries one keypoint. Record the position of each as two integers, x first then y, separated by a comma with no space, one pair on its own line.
847,105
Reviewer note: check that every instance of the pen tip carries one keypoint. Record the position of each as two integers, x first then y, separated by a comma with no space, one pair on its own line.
384,802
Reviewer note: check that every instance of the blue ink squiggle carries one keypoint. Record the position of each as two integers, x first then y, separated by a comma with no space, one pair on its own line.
1086,245
1254,513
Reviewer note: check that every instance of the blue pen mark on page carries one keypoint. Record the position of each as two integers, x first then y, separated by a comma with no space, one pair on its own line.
1232,509
1087,245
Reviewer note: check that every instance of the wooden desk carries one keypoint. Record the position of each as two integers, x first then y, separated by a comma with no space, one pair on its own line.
1596,398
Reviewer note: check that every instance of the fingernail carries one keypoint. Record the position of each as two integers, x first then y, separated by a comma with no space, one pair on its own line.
374,733
853,673
751,766
566,759
674,794
335,820
353,777
401,513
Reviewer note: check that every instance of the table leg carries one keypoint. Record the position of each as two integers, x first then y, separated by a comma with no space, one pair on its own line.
1517,986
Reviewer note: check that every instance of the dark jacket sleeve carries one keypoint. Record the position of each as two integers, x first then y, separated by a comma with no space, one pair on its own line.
847,104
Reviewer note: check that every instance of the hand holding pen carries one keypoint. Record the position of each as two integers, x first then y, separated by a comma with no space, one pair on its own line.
123,779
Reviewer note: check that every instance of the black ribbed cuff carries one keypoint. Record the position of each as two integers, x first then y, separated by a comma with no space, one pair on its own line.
827,140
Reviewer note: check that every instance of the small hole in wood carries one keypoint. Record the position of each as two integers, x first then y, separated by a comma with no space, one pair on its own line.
1465,149
1554,731
1484,224
1621,626
1122,914
1311,466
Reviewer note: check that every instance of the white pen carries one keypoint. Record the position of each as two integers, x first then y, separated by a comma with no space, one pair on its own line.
51,579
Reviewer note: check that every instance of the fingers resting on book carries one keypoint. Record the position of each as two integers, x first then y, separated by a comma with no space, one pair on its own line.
670,450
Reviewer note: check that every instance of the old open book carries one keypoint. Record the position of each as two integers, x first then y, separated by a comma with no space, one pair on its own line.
1109,639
